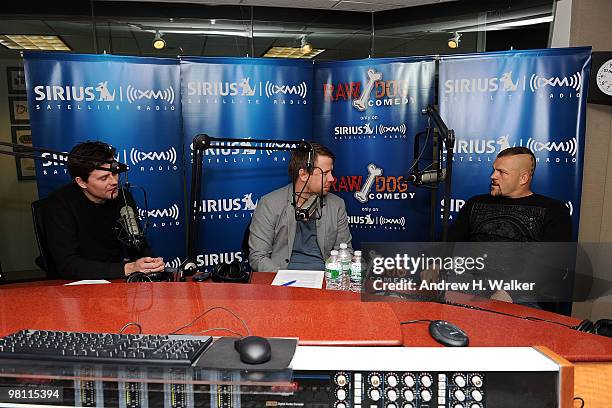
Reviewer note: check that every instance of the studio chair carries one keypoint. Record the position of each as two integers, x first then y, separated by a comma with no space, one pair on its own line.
44,260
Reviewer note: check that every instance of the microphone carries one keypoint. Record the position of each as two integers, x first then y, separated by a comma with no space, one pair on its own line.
130,224
427,177
307,209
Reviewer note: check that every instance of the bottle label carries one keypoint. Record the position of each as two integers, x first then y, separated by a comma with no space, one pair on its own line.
356,271
333,270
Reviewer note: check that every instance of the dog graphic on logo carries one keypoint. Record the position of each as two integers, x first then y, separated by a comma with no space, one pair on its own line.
248,202
503,142
105,95
246,87
507,84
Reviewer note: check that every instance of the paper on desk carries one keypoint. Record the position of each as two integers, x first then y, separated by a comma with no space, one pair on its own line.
88,282
303,279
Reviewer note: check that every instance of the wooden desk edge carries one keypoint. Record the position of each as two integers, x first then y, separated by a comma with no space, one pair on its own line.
352,343
566,374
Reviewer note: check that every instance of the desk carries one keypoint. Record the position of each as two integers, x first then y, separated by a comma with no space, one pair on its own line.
315,316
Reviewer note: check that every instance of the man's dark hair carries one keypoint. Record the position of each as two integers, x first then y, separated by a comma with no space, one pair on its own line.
96,153
299,159
513,151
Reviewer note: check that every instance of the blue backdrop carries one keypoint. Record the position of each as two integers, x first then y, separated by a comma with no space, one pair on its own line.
535,99
241,98
132,103
368,112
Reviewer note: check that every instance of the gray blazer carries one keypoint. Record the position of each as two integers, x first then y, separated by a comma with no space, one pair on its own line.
273,227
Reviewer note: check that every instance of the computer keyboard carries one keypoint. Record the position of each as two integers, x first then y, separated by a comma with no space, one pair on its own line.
103,348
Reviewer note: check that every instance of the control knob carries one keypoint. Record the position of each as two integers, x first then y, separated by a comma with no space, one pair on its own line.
476,395
459,380
392,380
477,381
426,380
409,380
426,395
408,395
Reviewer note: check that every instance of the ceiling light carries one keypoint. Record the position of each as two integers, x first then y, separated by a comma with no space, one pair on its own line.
158,41
453,42
292,52
33,42
305,45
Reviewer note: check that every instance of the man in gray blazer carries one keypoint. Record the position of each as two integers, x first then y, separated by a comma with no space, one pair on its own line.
277,240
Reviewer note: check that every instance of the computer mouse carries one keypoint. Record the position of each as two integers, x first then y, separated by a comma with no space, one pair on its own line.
253,349
448,334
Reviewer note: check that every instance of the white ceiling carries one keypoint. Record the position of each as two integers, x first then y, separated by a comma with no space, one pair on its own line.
344,5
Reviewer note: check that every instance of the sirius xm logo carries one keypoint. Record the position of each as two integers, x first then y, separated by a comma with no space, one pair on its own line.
209,260
455,206
369,131
174,263
161,217
246,91
228,208
152,160
369,221
544,85
235,153
503,83
102,96
289,94
479,149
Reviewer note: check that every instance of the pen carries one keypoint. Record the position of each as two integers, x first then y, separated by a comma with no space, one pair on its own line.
289,283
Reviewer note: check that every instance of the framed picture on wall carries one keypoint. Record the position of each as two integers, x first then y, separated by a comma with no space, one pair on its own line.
22,135
15,78
18,109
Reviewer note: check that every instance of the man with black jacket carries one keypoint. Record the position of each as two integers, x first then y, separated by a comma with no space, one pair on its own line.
81,220
512,213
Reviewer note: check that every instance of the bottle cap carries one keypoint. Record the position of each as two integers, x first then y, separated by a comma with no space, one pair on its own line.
343,246
357,253
334,252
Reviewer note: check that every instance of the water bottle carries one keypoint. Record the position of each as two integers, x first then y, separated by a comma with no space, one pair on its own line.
332,271
345,266
355,277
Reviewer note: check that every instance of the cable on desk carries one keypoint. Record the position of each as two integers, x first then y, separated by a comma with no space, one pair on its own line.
417,321
482,309
221,328
131,324
210,310
581,400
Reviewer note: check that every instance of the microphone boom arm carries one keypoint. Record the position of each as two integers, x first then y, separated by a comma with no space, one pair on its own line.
448,138
36,153
203,142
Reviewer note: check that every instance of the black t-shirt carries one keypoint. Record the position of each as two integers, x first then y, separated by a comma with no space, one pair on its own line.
82,236
512,223
485,218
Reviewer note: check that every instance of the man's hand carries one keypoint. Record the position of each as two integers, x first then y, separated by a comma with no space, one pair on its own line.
146,265
501,295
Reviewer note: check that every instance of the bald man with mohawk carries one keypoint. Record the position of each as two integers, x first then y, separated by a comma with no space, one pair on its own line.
511,212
